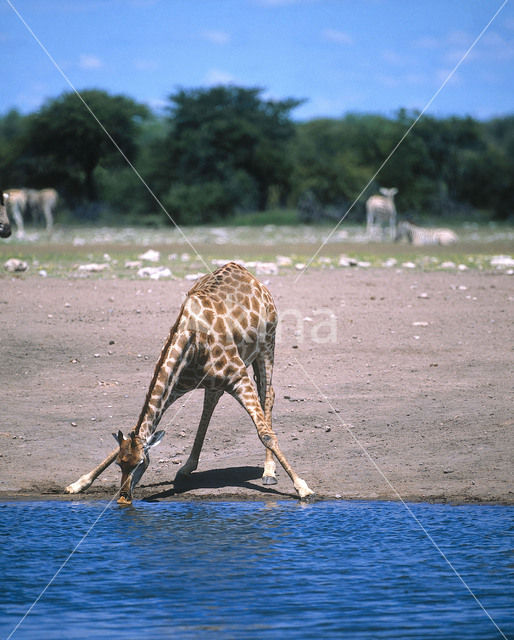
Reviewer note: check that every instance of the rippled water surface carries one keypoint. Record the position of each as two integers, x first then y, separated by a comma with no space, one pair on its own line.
255,570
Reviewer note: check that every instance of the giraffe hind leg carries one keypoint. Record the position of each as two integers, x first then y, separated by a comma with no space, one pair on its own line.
263,368
245,393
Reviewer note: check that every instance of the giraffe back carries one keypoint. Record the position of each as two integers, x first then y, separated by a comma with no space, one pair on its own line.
231,306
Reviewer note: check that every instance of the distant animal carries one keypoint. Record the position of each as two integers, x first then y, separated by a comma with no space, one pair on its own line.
21,201
381,212
420,236
5,226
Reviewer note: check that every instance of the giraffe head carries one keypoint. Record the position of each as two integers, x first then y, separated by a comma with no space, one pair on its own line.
133,460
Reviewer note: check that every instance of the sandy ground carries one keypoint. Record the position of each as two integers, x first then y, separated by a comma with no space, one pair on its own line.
388,384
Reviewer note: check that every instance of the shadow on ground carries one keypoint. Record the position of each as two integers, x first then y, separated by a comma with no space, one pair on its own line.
232,477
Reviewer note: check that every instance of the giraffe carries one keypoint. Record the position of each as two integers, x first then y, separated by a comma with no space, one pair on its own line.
226,323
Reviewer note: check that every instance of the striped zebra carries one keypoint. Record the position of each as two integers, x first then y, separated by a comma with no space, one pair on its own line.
419,236
5,227
37,202
380,213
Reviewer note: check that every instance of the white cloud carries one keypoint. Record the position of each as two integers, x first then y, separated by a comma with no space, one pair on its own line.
90,62
216,37
217,76
340,37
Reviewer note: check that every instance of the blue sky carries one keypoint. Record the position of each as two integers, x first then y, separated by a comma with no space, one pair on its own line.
339,55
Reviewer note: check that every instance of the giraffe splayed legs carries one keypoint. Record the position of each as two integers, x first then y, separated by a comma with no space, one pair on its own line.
227,323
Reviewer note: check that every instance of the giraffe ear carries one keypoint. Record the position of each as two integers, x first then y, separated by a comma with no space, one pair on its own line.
155,438
118,437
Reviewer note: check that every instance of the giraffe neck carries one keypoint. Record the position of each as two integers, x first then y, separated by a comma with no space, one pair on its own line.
174,357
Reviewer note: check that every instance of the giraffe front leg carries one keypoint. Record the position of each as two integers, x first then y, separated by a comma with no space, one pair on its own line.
85,481
210,400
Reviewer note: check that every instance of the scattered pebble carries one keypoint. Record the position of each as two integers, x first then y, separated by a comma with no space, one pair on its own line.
408,265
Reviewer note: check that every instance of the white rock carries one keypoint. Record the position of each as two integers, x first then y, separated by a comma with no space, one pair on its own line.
14,265
193,276
150,255
154,273
447,265
345,261
300,266
133,264
284,261
408,265
390,262
502,261
267,269
93,267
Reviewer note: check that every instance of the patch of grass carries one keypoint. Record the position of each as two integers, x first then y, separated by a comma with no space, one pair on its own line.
61,254
262,218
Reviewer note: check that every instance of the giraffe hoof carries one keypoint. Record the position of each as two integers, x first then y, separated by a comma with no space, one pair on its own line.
312,497
268,480
124,501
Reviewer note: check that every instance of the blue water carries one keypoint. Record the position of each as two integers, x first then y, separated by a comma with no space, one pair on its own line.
255,570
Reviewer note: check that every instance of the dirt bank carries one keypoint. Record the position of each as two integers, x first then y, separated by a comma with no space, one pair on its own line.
387,384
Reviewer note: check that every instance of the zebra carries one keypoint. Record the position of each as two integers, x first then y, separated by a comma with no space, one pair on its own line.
5,227
380,212
419,236
22,200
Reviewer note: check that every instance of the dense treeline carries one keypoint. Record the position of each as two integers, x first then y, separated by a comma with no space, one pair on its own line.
227,150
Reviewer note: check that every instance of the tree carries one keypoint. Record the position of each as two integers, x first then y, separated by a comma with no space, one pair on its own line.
67,143
226,150
12,160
